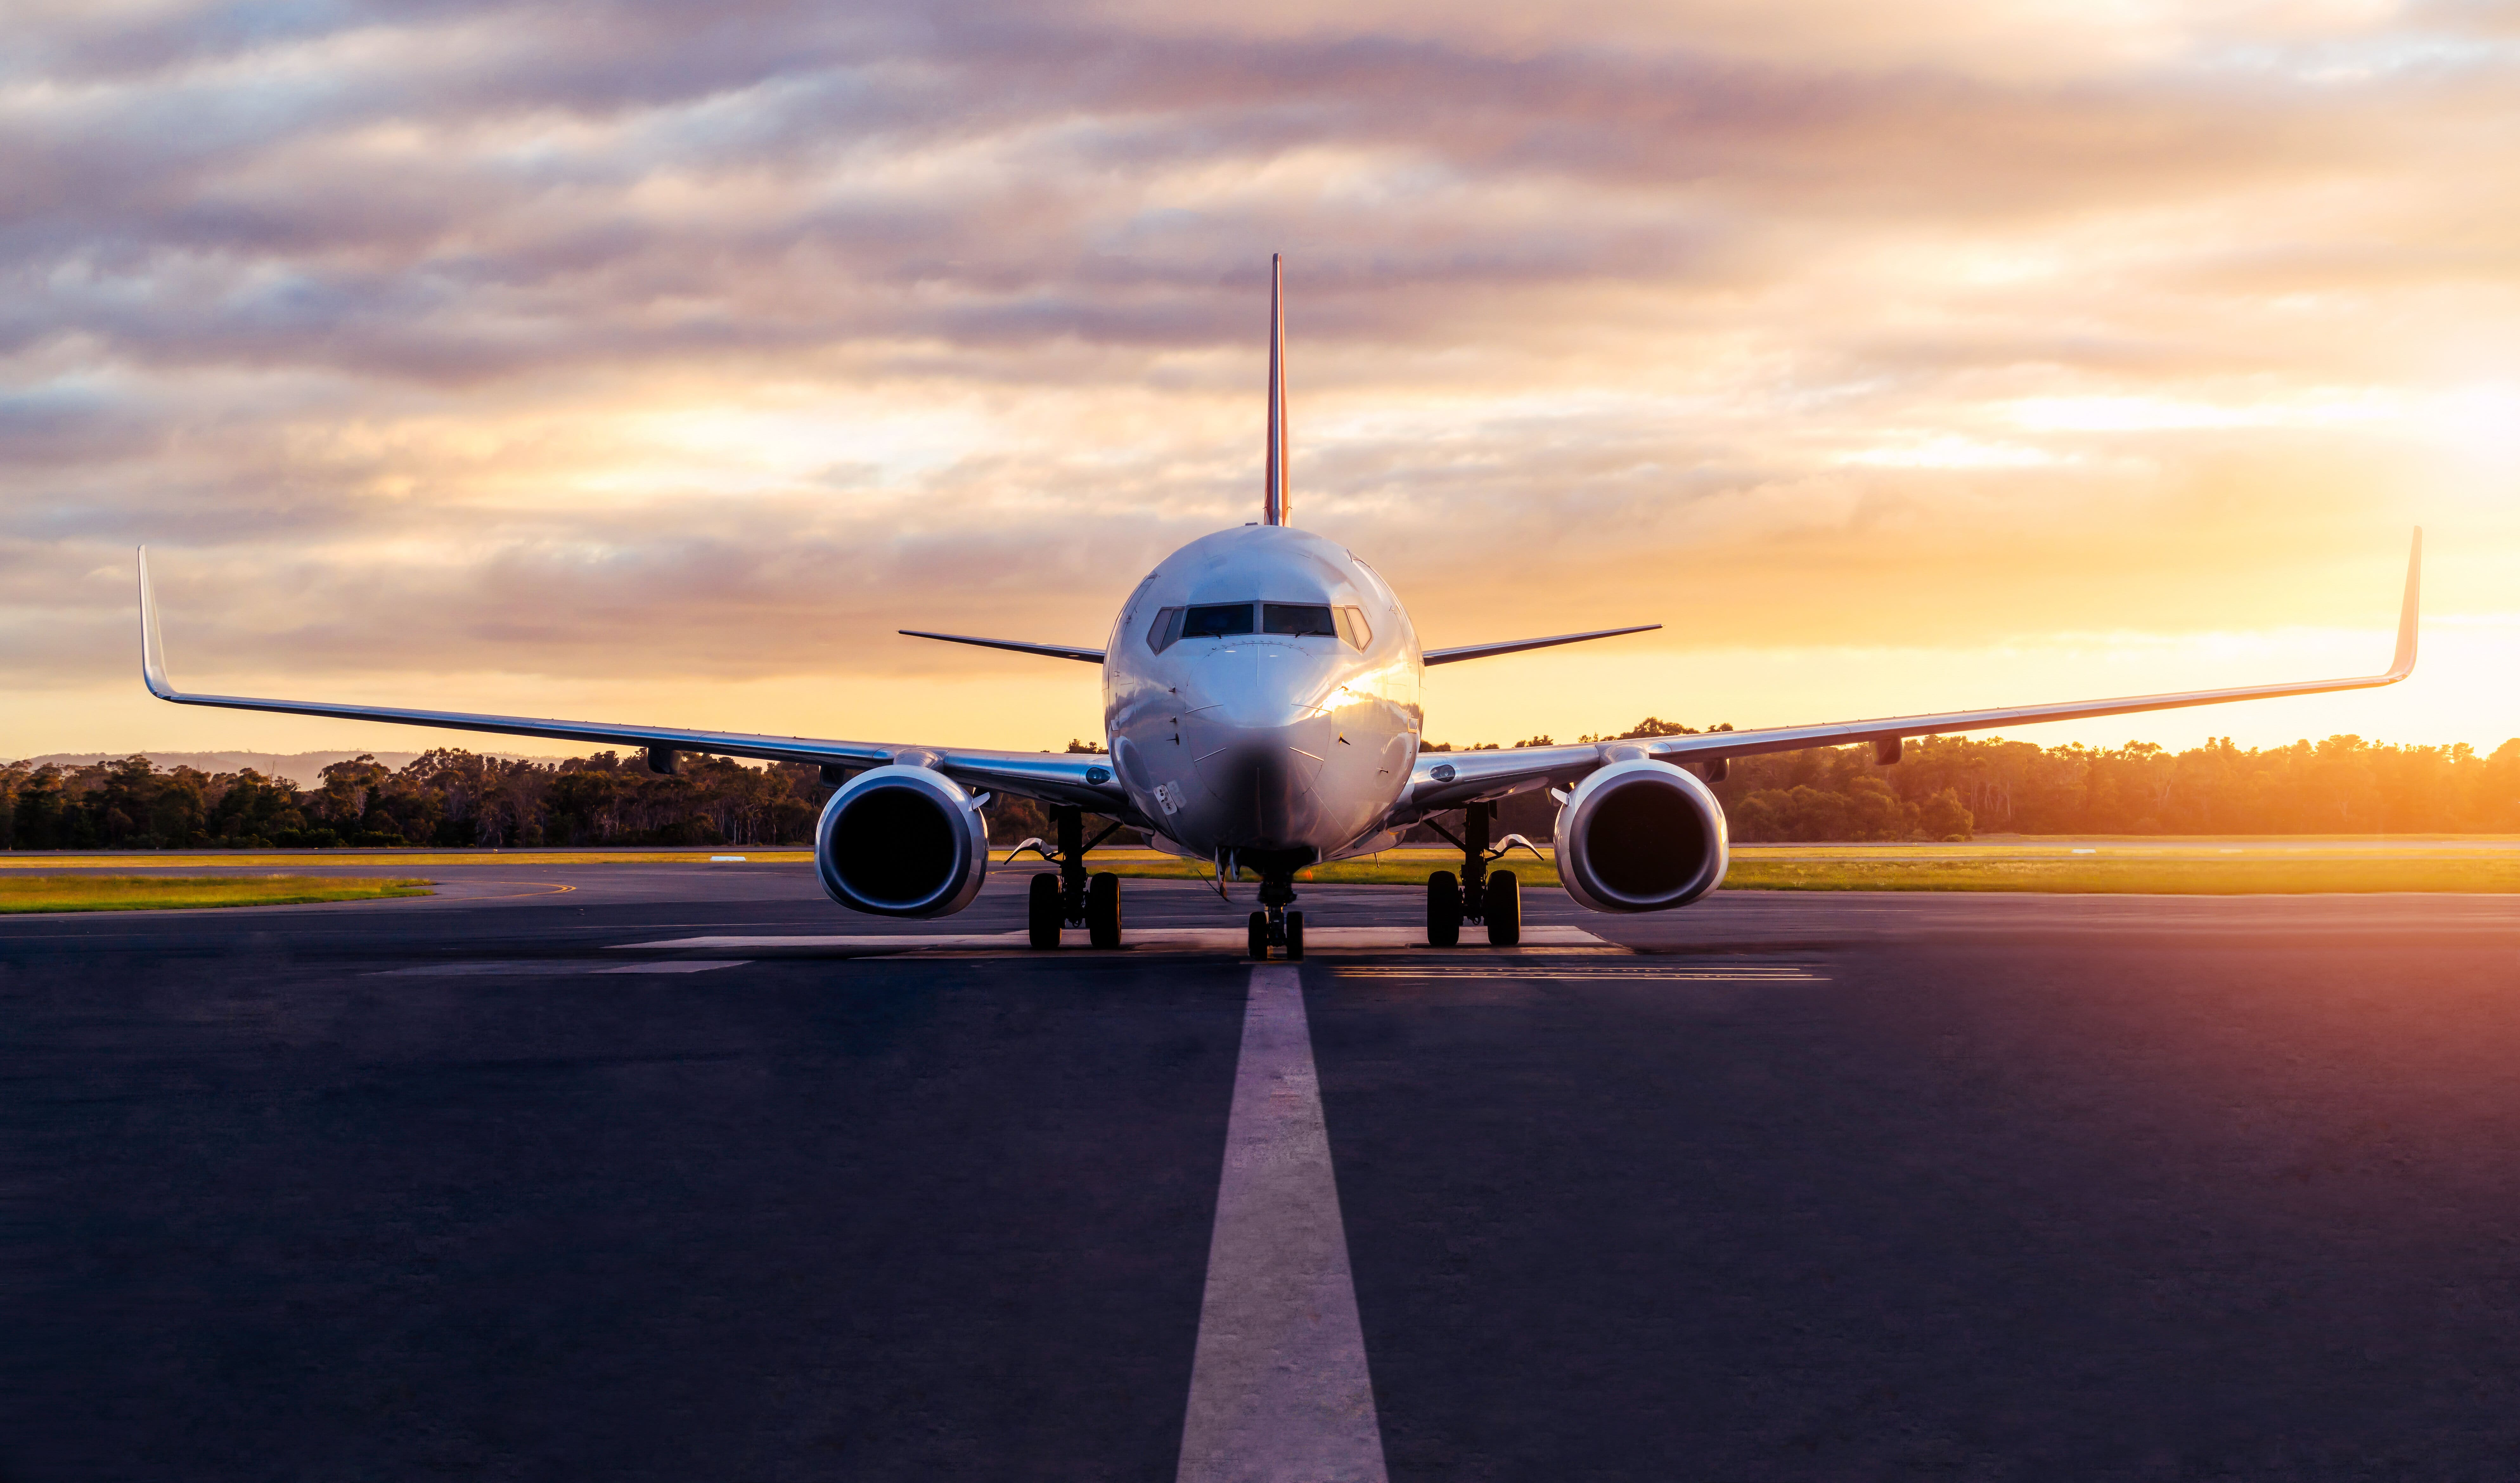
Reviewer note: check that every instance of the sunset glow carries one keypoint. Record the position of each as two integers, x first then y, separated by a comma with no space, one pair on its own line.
627,365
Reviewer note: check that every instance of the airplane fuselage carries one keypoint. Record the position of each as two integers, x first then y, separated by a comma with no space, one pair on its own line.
1261,695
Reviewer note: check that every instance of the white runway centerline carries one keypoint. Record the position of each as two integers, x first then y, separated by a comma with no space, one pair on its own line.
1279,1392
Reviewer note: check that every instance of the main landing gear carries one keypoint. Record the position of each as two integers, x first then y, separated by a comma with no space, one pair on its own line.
1071,897
1491,898
1273,925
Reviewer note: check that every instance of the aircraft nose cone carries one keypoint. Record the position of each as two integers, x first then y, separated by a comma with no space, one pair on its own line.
1258,740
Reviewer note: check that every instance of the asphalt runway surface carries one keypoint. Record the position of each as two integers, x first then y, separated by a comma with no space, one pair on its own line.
1782,1186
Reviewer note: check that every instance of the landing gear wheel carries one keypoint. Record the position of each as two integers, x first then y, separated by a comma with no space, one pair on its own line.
1294,936
1443,910
1260,936
1504,908
1102,911
1045,914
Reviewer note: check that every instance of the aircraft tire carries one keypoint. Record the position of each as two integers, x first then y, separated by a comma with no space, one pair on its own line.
1504,908
1443,910
1045,914
1294,936
1260,936
1102,911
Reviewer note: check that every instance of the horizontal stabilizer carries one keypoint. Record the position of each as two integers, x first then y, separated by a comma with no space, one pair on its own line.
1517,646
1048,651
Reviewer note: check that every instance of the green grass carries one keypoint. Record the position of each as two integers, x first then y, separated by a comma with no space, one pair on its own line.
140,893
2265,865
755,855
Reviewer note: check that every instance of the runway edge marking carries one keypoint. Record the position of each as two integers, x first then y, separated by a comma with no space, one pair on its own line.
1279,1389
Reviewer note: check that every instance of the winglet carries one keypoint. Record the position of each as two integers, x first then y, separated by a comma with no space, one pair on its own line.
1272,500
153,648
2404,664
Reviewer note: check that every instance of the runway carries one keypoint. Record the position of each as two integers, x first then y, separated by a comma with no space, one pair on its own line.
613,1170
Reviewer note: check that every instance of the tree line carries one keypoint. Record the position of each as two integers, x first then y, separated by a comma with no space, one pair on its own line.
1956,786
1943,787
448,798
1946,788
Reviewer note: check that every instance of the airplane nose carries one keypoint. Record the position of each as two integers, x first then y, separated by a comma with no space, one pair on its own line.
1258,741
1257,688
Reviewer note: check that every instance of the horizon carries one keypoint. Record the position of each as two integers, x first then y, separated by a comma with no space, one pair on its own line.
90,757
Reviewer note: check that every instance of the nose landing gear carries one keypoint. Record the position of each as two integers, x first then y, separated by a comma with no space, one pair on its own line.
1273,925
1071,898
1490,898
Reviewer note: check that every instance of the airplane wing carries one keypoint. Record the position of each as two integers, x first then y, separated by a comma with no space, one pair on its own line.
1047,651
1449,779
1517,646
1081,779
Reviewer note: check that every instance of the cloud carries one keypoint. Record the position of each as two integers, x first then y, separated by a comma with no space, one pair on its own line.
627,340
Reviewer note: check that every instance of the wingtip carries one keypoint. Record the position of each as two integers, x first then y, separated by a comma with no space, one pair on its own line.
2411,615
153,648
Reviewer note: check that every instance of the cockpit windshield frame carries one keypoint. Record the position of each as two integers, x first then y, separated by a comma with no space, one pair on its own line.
1236,620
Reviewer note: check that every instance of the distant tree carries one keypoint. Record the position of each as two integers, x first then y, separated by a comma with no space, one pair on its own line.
253,810
37,816
343,800
1942,817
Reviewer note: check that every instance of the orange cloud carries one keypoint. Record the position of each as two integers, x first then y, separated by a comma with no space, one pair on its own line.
455,348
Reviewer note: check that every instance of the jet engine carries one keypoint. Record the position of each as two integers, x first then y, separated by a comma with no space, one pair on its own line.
902,841
1640,835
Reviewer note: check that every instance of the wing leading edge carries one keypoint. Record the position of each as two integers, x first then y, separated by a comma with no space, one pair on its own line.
1517,646
1446,779
1045,651
1059,778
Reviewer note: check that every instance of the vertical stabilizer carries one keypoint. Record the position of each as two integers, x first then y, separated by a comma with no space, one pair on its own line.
1272,504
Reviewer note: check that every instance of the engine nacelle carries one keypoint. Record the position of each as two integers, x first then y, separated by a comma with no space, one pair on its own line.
1641,837
902,841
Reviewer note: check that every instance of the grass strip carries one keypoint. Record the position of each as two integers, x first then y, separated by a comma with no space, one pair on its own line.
302,858
141,893
2266,866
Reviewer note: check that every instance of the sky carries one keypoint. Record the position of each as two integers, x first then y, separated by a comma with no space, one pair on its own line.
654,364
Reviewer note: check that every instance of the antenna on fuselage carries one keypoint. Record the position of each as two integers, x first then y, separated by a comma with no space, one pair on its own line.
1273,502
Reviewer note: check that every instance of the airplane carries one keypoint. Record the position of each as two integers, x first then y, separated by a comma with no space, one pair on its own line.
1261,708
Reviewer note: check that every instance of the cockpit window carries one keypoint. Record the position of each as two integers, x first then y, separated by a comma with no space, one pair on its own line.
1216,620
1307,619
1226,620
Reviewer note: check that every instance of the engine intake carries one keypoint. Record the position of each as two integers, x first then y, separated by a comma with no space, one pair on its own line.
1641,837
902,841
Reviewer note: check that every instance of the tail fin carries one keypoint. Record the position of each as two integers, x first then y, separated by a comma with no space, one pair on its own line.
1272,504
